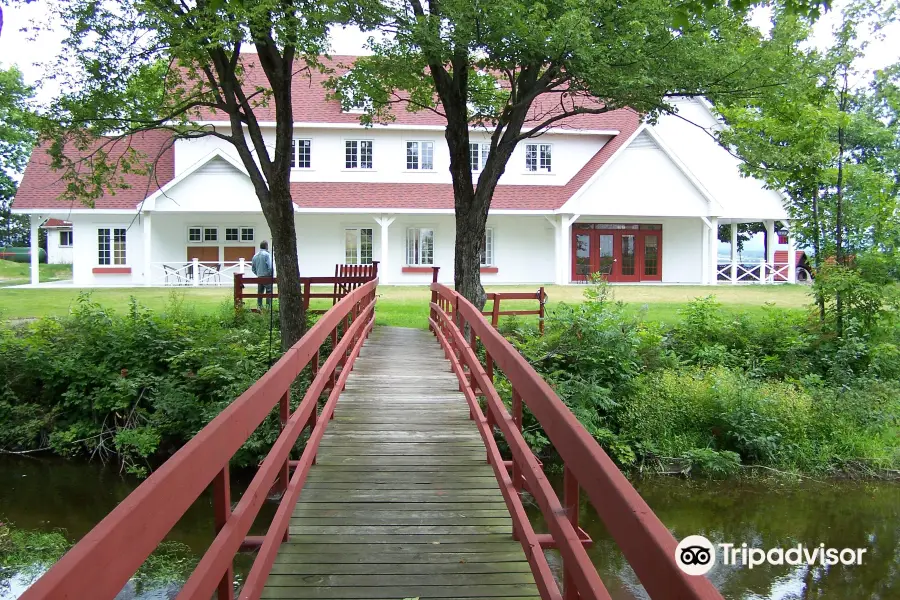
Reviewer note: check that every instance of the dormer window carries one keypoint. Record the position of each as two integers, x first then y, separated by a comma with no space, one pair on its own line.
538,158
478,154
420,156
301,154
352,102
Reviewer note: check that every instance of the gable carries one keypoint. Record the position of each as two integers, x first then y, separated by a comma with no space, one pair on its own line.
642,180
216,185
690,136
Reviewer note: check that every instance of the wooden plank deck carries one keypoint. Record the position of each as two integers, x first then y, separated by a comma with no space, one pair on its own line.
401,503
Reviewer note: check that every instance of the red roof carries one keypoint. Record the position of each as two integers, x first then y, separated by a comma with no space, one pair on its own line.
50,223
41,186
310,104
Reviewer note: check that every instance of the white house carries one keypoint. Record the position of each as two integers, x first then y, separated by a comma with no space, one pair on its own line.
608,193
59,241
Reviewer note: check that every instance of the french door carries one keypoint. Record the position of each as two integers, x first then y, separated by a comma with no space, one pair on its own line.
618,252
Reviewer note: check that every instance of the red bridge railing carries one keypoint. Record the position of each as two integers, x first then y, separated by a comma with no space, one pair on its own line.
646,543
100,565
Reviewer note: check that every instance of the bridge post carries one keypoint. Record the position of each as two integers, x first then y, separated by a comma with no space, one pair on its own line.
221,514
517,419
570,505
238,291
541,309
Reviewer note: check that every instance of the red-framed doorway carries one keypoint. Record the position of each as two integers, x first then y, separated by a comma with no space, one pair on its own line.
621,252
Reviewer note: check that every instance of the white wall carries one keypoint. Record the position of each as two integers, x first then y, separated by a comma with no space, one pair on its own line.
640,181
688,135
85,249
216,186
569,154
682,250
56,254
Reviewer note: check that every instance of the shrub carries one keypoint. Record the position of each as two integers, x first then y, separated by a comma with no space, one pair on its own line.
132,386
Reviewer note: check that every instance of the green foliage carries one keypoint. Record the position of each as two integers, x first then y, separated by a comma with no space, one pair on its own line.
131,386
16,139
27,554
718,390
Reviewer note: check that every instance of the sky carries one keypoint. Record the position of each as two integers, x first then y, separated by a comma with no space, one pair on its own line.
17,47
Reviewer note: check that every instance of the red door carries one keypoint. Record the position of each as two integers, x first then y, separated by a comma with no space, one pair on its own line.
628,253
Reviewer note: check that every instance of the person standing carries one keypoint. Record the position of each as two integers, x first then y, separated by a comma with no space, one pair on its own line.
262,267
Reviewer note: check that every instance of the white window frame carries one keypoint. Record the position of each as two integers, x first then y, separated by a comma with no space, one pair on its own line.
489,248
539,149
220,234
70,234
420,151
484,149
359,142
358,259
295,154
242,230
112,232
237,233
414,254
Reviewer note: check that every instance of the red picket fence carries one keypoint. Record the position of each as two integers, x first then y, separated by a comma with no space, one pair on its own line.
644,540
346,279
100,565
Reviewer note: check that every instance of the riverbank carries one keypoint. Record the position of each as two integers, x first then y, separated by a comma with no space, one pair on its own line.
710,393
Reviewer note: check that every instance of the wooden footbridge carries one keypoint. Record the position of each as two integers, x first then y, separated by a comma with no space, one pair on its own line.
400,490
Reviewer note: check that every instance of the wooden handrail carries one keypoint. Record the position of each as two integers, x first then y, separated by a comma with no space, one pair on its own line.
104,560
497,297
644,540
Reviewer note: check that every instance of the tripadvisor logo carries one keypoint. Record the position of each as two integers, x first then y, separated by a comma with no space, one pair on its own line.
696,555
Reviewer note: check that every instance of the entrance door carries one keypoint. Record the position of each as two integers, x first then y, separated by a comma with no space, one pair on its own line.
626,244
619,252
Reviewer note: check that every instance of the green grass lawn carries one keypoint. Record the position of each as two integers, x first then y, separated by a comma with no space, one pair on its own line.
14,273
407,306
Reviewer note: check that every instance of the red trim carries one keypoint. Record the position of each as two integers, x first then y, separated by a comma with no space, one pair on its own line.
490,270
417,269
111,270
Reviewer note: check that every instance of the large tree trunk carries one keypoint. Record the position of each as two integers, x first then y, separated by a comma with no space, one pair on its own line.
470,229
292,313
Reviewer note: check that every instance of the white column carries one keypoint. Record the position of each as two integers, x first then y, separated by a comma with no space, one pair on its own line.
564,261
36,221
734,240
385,223
148,265
704,251
556,222
771,241
713,250
792,255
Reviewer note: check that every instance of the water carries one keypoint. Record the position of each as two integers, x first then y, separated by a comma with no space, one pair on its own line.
769,514
49,495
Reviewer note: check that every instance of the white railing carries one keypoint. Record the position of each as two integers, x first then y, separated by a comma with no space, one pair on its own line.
196,273
762,272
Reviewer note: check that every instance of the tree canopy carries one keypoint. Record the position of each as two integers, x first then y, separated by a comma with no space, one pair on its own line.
517,70
134,66
16,140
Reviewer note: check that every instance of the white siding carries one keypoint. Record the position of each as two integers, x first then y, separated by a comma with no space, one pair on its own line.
641,181
742,198
570,154
85,249
56,254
